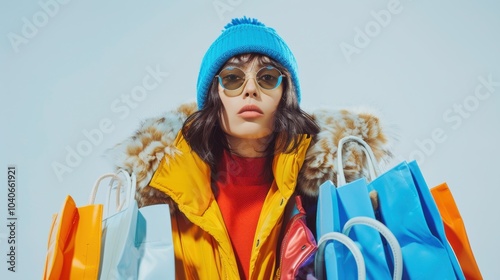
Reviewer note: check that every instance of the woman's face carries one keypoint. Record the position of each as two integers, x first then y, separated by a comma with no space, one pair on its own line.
249,115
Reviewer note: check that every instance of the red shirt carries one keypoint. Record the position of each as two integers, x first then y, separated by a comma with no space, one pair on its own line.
242,185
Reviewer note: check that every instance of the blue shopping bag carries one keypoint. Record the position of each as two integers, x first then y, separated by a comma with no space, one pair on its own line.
432,215
410,216
358,252
355,202
328,220
337,207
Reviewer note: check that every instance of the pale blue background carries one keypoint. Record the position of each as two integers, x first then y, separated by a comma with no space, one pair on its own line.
64,80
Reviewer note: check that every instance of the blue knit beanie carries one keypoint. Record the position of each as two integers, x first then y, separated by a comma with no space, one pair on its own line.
240,36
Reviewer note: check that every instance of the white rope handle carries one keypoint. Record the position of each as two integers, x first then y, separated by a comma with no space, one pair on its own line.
349,243
98,182
370,158
132,190
118,192
129,187
130,181
388,235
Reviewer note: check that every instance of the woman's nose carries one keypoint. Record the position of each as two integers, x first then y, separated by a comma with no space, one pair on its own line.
250,88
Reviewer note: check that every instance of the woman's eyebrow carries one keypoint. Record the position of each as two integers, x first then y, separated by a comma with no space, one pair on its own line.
233,64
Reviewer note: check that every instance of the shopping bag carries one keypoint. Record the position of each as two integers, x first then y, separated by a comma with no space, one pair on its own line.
61,230
148,251
359,271
337,259
321,263
341,208
330,218
74,244
354,201
455,231
348,202
405,208
137,243
117,228
432,215
328,221
154,244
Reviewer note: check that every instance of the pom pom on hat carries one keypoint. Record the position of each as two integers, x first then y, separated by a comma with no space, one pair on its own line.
240,36
243,20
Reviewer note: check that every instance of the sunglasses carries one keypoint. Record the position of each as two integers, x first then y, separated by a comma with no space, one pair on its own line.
232,79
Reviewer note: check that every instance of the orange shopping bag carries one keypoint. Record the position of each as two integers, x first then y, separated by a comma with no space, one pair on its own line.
455,231
74,246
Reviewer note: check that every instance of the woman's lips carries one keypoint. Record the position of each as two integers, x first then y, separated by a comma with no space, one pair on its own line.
250,111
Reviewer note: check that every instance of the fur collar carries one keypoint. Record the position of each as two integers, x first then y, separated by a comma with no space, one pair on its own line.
142,152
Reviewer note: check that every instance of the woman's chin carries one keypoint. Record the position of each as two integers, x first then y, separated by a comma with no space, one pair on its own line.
249,131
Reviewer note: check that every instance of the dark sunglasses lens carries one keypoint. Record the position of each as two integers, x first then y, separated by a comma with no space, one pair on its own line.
269,77
231,78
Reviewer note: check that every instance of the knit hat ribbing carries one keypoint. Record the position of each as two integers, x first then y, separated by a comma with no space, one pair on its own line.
242,36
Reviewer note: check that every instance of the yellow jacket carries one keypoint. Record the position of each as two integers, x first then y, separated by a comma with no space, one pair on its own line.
202,246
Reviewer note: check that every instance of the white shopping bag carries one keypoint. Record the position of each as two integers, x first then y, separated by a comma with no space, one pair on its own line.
137,243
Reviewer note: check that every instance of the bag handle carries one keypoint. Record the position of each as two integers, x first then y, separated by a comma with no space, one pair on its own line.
131,191
130,184
388,235
319,260
98,183
370,158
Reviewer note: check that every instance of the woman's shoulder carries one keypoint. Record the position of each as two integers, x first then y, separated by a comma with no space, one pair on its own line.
335,123
142,152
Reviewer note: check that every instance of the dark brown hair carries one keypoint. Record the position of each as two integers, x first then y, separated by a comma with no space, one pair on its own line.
204,134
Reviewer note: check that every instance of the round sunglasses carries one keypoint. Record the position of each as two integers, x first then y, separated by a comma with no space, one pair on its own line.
232,79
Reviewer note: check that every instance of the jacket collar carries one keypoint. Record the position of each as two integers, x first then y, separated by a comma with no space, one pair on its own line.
185,178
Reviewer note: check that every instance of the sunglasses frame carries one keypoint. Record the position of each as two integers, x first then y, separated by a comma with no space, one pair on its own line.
240,88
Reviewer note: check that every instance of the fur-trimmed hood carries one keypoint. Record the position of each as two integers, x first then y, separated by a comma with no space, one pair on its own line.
142,152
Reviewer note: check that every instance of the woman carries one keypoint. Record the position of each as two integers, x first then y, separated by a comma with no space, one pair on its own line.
230,174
